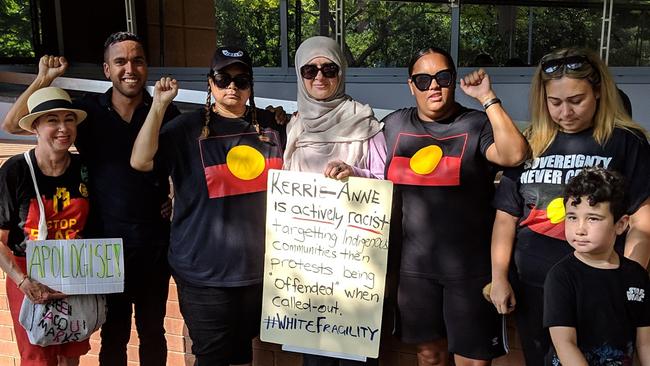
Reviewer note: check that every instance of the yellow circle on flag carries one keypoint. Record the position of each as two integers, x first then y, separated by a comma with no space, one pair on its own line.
245,162
555,210
425,160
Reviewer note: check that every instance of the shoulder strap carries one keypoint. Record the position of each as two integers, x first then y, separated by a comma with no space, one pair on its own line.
42,222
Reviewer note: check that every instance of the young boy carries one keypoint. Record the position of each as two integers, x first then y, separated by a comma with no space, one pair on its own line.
596,303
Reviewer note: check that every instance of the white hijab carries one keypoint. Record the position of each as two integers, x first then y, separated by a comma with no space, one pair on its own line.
324,130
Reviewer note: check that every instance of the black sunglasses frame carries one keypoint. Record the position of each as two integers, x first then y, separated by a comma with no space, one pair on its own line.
329,70
223,80
573,63
429,79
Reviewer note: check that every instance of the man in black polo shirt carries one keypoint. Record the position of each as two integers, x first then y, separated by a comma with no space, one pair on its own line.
127,204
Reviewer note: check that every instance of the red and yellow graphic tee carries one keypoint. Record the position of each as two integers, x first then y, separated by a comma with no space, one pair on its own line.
65,199
444,185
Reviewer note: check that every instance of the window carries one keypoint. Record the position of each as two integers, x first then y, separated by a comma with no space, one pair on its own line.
388,34
630,40
377,33
499,35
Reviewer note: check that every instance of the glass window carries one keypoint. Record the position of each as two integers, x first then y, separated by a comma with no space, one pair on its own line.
16,39
388,33
498,35
253,25
377,33
303,23
630,39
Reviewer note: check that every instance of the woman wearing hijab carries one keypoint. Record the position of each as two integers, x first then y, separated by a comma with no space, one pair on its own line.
331,133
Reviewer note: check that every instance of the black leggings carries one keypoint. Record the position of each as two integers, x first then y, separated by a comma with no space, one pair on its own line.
529,314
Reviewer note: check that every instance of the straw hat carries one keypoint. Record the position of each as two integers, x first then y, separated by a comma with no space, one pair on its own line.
48,100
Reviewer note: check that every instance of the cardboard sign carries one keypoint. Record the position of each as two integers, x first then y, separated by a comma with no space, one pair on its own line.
325,262
81,266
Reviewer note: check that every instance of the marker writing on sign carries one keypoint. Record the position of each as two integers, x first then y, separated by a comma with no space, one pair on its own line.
101,260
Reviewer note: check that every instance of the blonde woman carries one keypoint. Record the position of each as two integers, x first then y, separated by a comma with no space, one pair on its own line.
578,121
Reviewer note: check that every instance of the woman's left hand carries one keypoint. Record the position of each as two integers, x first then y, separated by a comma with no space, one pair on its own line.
337,169
38,293
477,85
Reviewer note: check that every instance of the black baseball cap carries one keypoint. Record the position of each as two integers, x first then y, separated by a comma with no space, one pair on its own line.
226,56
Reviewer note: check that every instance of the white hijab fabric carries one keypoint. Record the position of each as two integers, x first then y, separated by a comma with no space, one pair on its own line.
325,130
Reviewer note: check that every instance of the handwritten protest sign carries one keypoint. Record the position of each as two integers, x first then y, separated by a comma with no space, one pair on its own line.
81,266
325,262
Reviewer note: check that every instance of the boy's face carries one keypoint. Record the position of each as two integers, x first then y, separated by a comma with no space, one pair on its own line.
591,229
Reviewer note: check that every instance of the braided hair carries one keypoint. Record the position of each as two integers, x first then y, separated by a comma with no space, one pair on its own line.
205,131
253,110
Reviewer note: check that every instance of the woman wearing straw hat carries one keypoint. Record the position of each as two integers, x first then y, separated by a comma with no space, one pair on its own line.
61,180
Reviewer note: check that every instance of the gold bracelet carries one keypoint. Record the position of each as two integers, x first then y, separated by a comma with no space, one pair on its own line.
23,280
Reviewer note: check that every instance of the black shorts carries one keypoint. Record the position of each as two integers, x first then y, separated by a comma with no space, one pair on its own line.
430,309
222,322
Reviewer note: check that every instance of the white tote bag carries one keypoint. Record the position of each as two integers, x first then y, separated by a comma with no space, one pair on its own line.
72,319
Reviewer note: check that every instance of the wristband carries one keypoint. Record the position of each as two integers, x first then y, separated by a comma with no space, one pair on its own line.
23,280
490,102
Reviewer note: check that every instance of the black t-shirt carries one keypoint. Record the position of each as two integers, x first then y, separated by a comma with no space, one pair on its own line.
218,227
126,203
533,192
444,185
606,306
65,200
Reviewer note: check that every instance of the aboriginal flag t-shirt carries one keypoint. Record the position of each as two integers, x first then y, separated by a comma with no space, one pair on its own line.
218,226
534,192
443,189
65,200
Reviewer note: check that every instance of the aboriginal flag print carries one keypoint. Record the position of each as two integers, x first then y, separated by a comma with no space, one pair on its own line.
424,160
547,216
238,164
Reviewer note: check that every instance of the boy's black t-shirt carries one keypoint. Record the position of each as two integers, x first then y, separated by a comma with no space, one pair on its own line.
533,192
446,217
604,305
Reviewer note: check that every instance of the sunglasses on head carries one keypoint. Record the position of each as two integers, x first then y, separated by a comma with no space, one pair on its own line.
422,82
330,70
570,62
223,80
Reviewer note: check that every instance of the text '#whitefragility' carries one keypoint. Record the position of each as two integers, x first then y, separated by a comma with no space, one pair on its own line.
318,326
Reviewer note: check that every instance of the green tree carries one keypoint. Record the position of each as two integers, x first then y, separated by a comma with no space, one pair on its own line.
16,39
253,25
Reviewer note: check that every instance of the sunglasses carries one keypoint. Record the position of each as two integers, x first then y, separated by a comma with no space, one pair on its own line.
572,63
329,71
422,82
222,81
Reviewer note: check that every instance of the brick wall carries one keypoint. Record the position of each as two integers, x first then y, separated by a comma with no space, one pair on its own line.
393,353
